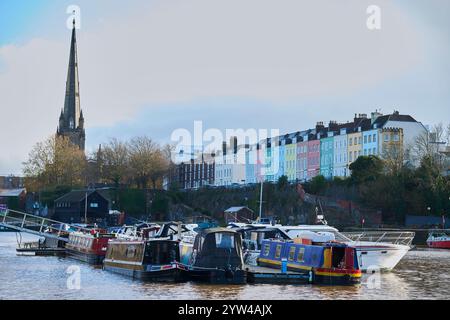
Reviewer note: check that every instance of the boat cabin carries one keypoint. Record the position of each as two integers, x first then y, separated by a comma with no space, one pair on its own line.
216,248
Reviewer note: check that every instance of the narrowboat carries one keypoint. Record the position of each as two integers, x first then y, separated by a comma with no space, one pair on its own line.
88,247
214,256
330,263
147,259
438,240
383,250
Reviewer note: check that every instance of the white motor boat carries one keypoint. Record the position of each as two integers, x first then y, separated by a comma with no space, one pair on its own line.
377,251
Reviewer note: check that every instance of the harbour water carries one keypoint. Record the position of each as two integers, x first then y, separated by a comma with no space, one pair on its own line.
422,274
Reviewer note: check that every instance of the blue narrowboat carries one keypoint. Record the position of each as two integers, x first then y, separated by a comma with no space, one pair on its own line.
328,263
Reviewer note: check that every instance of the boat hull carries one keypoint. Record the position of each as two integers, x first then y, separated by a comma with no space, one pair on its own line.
90,258
156,274
379,257
439,244
318,275
214,276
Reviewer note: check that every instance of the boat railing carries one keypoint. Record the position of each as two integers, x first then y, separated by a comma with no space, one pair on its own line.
25,222
393,237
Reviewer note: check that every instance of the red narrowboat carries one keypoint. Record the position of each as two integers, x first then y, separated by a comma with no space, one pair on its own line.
88,247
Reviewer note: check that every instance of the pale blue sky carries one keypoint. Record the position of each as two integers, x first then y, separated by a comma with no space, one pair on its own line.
152,67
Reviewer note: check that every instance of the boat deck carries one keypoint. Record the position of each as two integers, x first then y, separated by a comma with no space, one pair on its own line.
257,274
42,251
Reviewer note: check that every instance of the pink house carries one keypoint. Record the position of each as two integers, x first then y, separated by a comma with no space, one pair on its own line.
302,160
313,158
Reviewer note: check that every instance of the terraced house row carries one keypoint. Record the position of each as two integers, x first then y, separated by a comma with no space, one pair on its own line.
326,150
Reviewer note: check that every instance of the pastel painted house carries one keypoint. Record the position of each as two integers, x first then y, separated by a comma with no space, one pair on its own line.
340,165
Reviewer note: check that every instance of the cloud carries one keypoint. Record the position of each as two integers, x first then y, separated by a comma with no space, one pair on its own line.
176,53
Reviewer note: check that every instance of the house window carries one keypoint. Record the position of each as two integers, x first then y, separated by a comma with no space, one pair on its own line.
350,156
350,142
396,137
386,137
365,139
93,205
370,139
374,138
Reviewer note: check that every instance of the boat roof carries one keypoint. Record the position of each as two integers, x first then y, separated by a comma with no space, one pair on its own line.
320,227
216,230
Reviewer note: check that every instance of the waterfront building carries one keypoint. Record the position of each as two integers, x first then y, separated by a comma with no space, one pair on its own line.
302,158
71,207
327,151
290,157
313,156
340,165
410,127
302,155
272,160
198,172
71,120
370,142
281,146
392,142
251,159
230,169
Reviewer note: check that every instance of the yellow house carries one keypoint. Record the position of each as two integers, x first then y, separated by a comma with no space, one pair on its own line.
354,144
391,140
290,158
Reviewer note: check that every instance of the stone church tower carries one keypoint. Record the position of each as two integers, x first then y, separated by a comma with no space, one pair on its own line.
71,120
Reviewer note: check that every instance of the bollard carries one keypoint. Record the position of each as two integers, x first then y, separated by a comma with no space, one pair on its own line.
284,265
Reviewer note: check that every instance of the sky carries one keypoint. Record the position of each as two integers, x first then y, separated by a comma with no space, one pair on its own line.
151,67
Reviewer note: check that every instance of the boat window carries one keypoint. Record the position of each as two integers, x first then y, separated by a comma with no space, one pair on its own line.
291,253
266,249
278,251
301,254
338,257
131,251
224,240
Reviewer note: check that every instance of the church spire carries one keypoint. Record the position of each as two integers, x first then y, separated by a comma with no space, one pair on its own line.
71,121
72,107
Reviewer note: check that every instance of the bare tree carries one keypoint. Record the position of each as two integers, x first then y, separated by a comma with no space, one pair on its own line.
115,158
55,161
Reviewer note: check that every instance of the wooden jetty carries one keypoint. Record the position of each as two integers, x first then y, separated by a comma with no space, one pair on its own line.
257,274
40,248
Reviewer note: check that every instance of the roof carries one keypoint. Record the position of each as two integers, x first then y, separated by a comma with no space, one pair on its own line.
236,209
11,192
216,230
381,120
79,195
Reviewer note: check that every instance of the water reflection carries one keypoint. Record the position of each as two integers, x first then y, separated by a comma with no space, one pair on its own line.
422,274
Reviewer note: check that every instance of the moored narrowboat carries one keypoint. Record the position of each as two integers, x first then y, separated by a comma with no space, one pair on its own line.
328,263
148,259
88,247
215,256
